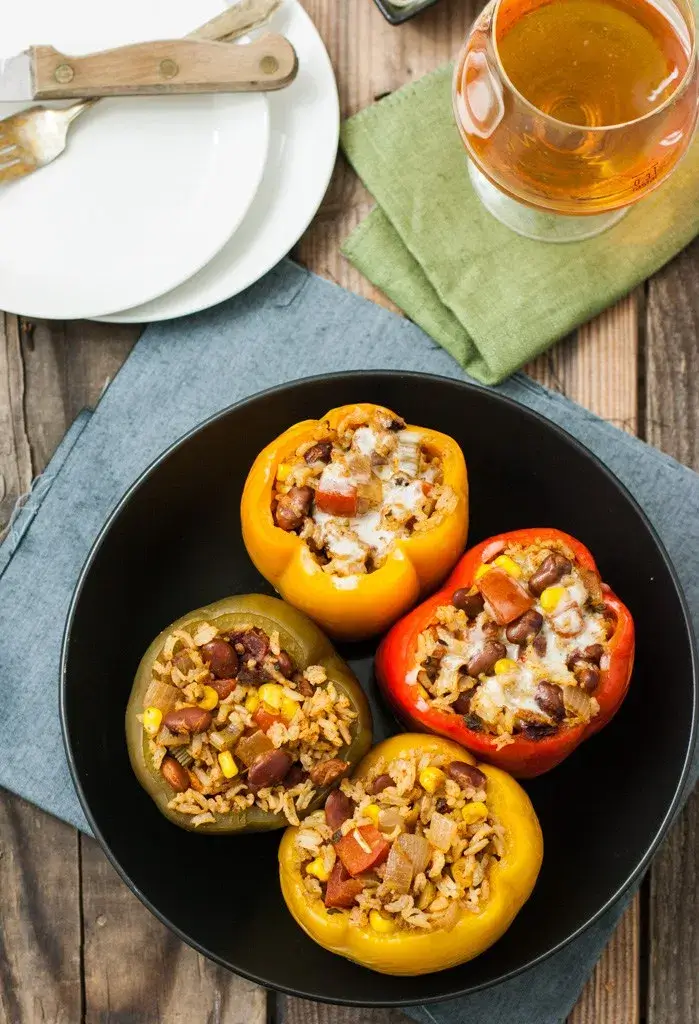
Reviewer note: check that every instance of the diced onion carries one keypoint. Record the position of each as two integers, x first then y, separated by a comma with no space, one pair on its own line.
161,695
577,702
442,831
417,849
399,870
389,819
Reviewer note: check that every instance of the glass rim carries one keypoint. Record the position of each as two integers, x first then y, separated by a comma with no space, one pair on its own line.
690,71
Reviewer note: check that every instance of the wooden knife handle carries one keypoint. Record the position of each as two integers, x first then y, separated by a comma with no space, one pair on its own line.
181,66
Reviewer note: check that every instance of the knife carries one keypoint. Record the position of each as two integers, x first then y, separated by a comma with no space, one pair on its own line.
180,66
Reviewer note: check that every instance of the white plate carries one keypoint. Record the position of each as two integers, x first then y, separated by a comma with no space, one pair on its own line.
150,188
303,147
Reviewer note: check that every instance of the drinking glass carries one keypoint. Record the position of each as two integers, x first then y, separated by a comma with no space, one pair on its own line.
552,169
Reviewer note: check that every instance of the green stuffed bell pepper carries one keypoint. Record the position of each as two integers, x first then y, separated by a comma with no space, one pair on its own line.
242,717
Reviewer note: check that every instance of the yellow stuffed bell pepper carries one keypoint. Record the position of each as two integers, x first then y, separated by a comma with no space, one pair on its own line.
355,516
420,887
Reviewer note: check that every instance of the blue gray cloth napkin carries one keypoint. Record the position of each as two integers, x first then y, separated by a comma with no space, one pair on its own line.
289,325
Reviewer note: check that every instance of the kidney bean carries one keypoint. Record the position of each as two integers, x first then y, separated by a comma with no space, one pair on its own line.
223,687
293,507
324,773
484,660
536,731
380,783
187,720
269,769
462,704
295,776
593,654
588,677
525,627
254,643
285,664
549,697
175,774
472,604
442,805
338,809
539,644
553,568
466,774
221,658
320,452
305,688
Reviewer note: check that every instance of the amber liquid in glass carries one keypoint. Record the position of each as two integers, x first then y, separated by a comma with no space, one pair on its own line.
587,65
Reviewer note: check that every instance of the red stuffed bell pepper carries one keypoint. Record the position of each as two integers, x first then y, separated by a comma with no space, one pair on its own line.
520,657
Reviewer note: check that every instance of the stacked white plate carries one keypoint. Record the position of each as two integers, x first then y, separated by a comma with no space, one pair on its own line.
163,206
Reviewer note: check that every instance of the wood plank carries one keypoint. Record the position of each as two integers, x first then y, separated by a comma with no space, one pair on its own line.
39,877
597,367
672,423
300,1011
15,452
138,971
39,917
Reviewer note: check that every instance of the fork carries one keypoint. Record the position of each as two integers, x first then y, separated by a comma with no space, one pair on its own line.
35,137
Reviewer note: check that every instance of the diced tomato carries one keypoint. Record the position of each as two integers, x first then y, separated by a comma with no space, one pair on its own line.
361,854
507,599
337,503
265,716
342,890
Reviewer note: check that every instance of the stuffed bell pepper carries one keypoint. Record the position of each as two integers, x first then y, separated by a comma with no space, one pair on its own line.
419,862
354,516
242,717
523,654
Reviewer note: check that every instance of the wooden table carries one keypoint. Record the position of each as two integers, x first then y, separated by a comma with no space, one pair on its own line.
75,946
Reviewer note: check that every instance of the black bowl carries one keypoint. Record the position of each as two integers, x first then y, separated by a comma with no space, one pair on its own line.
174,543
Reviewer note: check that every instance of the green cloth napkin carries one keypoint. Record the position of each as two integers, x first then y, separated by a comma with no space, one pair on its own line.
494,300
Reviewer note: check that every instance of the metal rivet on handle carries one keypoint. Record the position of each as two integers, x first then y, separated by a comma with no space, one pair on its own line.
269,64
168,68
64,74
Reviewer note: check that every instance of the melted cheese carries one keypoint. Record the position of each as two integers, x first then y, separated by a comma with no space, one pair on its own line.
364,440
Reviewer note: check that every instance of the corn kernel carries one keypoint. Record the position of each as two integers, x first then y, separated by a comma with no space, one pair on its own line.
381,924
431,779
551,597
283,470
289,708
372,811
227,763
508,565
504,665
152,717
423,692
317,868
473,812
481,571
252,703
209,700
272,694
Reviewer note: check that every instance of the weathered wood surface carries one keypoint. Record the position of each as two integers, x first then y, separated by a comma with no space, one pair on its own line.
75,945
671,421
